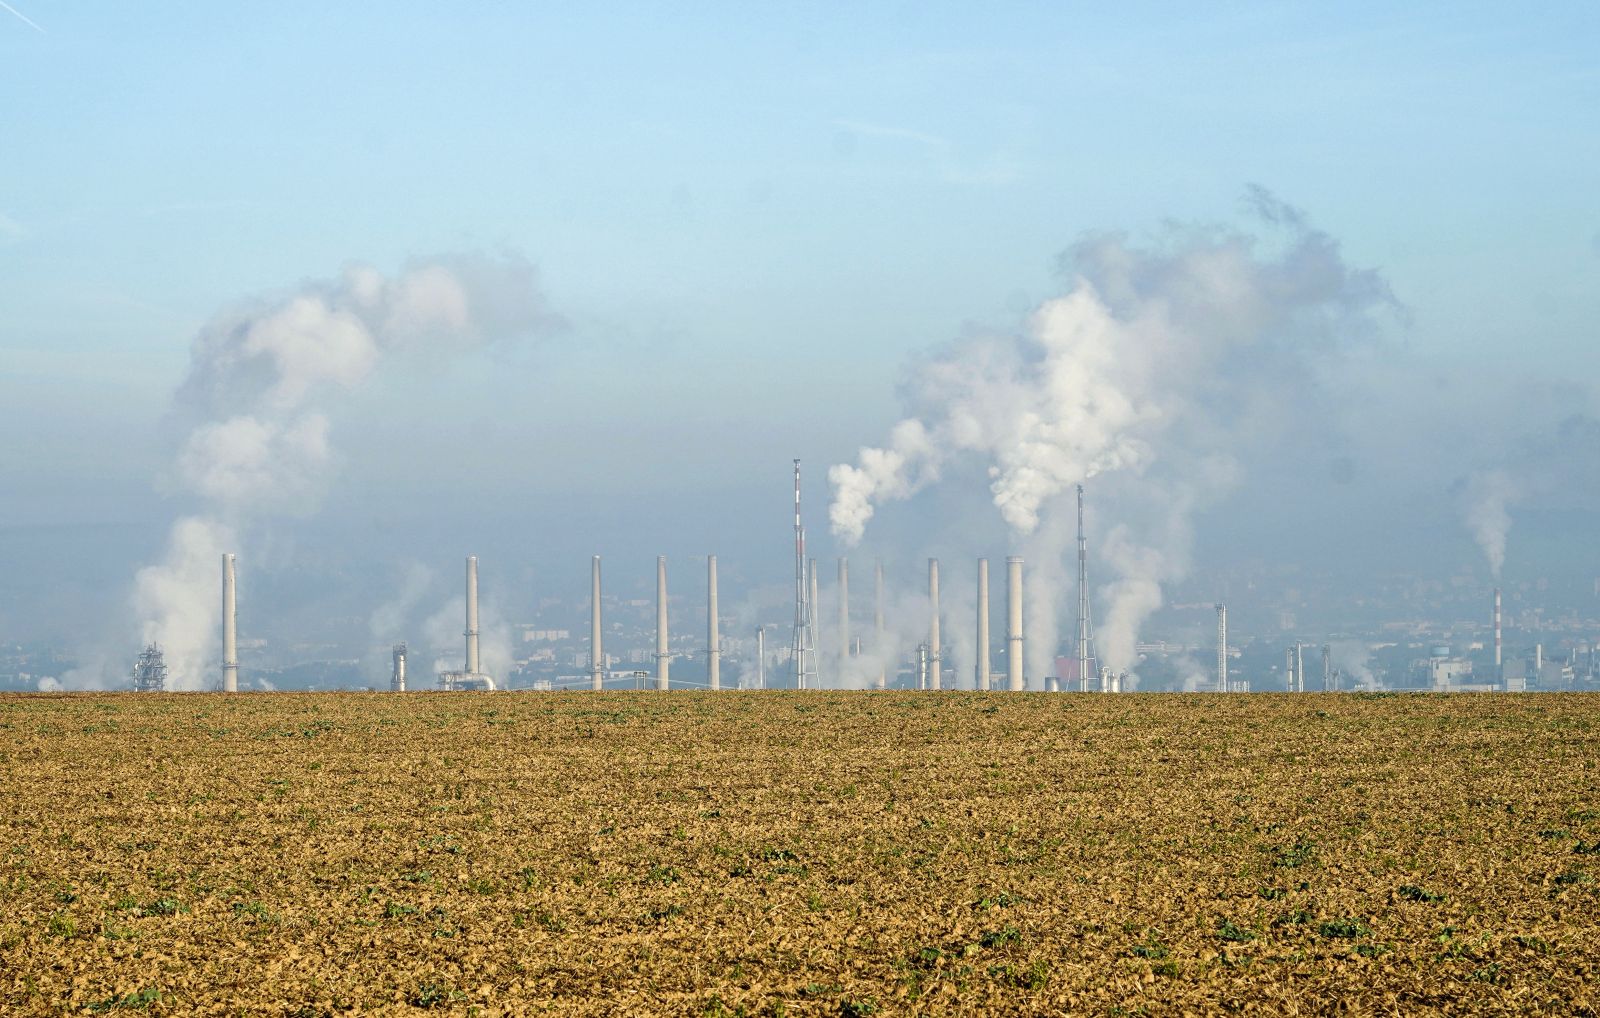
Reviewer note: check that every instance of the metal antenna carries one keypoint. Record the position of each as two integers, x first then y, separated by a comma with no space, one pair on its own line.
804,656
1086,658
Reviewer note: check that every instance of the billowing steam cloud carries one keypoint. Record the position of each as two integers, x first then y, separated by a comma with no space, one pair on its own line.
258,438
1552,467
1489,497
1159,372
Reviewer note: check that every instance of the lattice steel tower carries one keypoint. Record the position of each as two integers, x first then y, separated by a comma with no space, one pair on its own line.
150,672
804,659
1086,660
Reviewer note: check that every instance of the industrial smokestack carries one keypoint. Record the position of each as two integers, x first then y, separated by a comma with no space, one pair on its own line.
816,618
1499,666
663,659
713,644
1299,669
844,615
472,615
879,646
1327,668
1222,648
397,679
761,657
935,668
597,654
981,677
230,628
1014,677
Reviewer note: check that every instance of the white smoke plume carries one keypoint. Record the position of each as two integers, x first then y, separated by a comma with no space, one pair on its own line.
1489,497
1352,659
254,406
444,633
1160,370
1553,466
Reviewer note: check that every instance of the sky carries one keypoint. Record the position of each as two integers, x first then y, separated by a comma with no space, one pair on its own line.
749,223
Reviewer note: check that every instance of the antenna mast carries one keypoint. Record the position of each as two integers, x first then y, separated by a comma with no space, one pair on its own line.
1086,659
804,656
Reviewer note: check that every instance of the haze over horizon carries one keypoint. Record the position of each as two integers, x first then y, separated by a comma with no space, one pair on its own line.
585,283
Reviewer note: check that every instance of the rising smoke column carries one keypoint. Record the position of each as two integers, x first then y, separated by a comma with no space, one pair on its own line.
1487,505
253,411
1159,373
1552,466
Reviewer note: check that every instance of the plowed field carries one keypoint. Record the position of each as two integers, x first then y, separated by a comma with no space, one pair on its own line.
799,854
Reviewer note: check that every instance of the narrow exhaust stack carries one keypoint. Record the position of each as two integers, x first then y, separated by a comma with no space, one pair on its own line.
597,654
1499,666
761,657
844,616
1222,648
1014,677
879,647
663,658
230,628
982,676
816,619
935,668
713,644
472,615
397,679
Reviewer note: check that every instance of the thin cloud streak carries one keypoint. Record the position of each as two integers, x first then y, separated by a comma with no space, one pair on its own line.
23,17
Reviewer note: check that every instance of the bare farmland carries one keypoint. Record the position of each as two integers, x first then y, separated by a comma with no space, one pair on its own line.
802,854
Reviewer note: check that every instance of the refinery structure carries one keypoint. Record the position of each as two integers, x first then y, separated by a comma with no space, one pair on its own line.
882,659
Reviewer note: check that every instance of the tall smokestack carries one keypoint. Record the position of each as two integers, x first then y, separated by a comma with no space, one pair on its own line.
230,628
935,668
981,678
472,615
597,654
1222,648
1499,666
879,646
844,616
663,659
1327,668
816,617
1299,668
1014,677
713,644
761,657
397,679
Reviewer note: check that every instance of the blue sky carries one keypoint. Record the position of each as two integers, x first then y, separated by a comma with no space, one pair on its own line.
751,215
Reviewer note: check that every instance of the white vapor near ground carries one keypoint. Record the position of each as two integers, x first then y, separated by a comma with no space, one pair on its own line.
1165,369
258,442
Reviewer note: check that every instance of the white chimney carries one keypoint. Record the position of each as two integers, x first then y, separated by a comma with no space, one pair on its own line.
880,646
982,675
844,615
597,654
713,650
472,615
934,665
663,658
230,628
1014,677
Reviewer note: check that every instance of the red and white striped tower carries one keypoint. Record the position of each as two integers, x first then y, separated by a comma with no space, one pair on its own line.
1498,666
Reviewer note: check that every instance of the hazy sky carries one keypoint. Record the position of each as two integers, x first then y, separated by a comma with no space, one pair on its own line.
749,217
